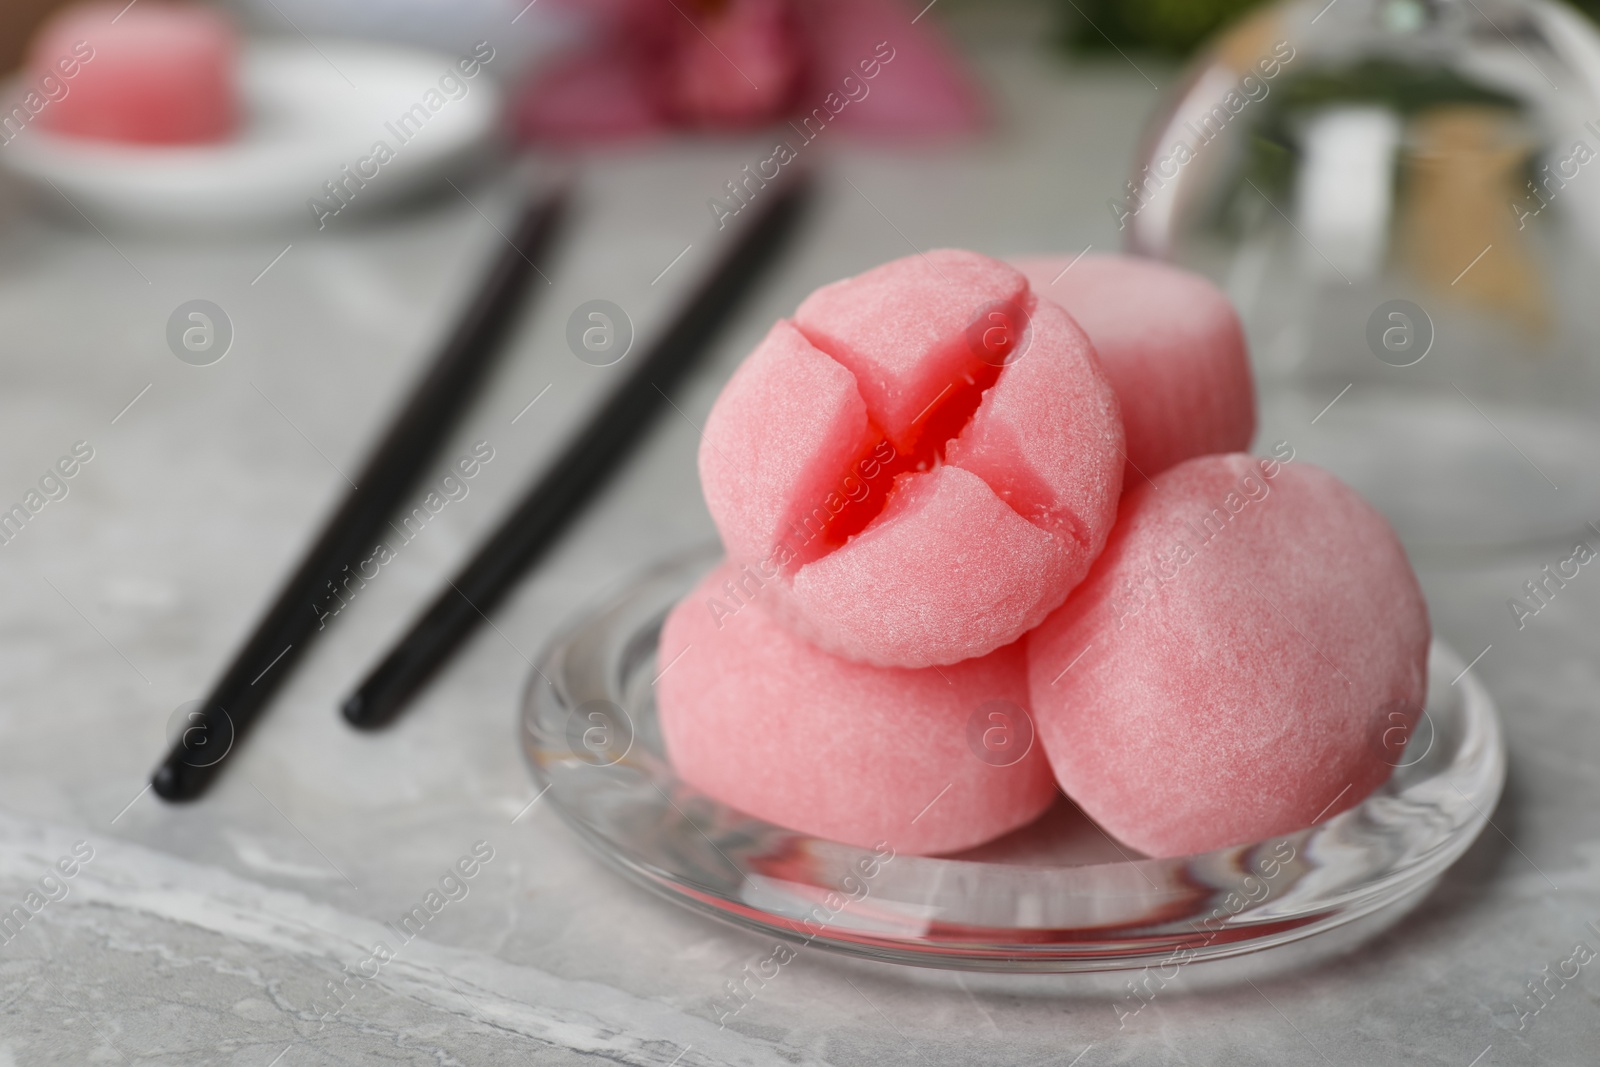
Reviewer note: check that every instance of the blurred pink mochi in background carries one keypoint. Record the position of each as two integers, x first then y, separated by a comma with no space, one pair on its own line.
1172,347
149,73
775,727
915,498
651,66
1232,665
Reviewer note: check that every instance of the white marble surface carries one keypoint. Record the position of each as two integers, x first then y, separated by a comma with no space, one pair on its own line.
203,934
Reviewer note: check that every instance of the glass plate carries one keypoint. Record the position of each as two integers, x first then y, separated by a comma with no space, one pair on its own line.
1055,896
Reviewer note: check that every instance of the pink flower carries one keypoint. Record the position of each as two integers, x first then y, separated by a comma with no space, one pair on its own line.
737,63
655,65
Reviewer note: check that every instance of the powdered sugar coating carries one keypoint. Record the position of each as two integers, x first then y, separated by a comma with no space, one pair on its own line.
900,328
947,568
768,723
1046,436
929,538
765,480
1172,347
1218,676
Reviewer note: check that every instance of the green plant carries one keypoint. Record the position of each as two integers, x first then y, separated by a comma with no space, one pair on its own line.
1173,27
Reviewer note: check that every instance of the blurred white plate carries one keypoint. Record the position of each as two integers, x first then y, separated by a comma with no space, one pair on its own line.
310,110
522,33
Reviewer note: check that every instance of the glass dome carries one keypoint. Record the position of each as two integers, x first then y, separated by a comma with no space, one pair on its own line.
1402,197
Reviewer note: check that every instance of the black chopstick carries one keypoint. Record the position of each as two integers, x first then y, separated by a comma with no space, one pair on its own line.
582,468
392,469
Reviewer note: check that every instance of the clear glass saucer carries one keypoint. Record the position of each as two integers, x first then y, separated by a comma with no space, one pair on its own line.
1056,896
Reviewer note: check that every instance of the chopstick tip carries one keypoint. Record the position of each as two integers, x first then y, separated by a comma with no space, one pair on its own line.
172,784
364,713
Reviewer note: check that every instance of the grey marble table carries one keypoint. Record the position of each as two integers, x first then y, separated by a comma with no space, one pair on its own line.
208,933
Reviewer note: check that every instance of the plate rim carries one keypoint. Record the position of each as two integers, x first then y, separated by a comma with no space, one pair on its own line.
1255,932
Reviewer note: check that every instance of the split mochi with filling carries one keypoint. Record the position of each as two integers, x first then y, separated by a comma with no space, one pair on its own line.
149,73
770,724
922,463
1236,662
1172,347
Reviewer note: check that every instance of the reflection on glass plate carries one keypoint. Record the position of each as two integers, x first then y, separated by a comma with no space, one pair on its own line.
1056,896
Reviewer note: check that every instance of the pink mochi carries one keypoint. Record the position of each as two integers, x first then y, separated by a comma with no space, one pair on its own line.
150,73
775,727
1232,665
1172,347
921,464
